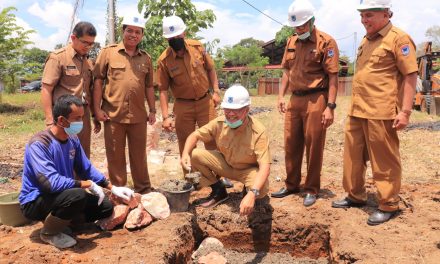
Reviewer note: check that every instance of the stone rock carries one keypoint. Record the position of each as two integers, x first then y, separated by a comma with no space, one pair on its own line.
156,204
213,258
118,217
138,218
209,243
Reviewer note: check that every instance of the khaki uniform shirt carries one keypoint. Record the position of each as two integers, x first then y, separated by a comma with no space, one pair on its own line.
241,150
187,76
68,73
381,63
126,82
309,62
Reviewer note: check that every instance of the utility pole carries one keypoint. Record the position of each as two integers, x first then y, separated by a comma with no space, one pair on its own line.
111,21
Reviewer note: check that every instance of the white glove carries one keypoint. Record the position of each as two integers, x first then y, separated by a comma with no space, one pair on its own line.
122,192
96,190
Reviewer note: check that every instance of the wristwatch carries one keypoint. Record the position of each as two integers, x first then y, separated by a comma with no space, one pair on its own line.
255,191
331,105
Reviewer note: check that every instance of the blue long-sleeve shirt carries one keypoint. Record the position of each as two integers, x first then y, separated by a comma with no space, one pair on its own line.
49,165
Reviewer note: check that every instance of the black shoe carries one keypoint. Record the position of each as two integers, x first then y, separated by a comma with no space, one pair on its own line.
309,199
346,203
215,200
227,183
379,217
283,192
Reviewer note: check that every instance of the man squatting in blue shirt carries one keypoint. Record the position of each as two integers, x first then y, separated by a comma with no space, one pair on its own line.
49,191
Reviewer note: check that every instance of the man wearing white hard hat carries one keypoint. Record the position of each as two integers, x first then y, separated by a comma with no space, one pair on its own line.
120,104
382,96
311,65
243,152
188,71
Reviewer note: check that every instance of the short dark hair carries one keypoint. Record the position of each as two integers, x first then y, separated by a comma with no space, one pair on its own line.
63,105
84,28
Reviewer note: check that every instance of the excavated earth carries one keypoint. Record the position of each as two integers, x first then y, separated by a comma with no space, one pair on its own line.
279,230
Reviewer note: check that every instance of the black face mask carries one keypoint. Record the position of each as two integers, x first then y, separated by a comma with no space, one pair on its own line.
176,43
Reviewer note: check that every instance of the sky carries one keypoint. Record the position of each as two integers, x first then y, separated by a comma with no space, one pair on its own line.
235,19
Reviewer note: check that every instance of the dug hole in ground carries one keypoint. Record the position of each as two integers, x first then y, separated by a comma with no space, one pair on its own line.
279,230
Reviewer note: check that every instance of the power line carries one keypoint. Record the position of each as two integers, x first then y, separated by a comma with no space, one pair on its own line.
346,37
262,12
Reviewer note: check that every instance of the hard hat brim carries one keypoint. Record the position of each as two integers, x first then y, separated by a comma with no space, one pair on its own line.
232,106
176,33
134,25
298,23
363,7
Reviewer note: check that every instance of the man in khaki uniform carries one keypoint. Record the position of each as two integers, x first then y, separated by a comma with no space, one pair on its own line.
128,75
386,68
311,64
188,70
68,71
243,151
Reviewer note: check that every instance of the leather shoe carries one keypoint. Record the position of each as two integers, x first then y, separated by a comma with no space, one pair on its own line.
346,203
309,199
227,183
379,217
283,192
215,200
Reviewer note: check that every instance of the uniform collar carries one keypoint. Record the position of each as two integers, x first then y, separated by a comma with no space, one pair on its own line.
121,46
313,35
381,32
72,52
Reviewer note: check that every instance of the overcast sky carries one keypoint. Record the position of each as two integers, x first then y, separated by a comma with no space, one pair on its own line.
235,19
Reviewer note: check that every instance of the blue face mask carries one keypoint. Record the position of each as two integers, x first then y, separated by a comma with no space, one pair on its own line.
75,128
234,124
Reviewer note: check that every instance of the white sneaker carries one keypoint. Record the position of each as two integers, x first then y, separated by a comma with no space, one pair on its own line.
59,240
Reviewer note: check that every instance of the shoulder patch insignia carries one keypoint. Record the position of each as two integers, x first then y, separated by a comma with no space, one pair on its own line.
330,53
405,50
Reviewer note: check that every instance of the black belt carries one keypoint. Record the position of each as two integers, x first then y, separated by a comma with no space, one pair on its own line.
192,100
309,91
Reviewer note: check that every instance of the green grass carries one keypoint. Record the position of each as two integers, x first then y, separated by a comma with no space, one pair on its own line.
20,114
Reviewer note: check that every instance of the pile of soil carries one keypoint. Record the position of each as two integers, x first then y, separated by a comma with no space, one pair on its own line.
174,185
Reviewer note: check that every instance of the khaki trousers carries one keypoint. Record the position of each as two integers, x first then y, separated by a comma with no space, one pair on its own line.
212,163
377,141
115,136
86,133
190,113
303,129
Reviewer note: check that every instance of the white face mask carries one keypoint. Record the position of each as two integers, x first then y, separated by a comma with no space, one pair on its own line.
304,36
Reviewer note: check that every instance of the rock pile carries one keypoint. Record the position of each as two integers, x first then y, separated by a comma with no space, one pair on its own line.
137,213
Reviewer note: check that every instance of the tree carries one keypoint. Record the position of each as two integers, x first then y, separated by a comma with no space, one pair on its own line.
155,10
13,39
33,63
246,53
433,33
282,35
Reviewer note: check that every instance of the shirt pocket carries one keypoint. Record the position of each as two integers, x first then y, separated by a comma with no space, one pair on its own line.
176,74
290,58
117,71
378,57
198,60
72,76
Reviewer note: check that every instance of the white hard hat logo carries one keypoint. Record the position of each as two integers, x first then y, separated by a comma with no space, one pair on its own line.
293,18
135,19
172,29
230,100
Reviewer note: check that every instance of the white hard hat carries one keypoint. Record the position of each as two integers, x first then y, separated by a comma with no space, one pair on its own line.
236,97
172,26
300,11
374,4
136,21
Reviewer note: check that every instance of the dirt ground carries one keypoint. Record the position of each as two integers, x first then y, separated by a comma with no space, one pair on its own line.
281,230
